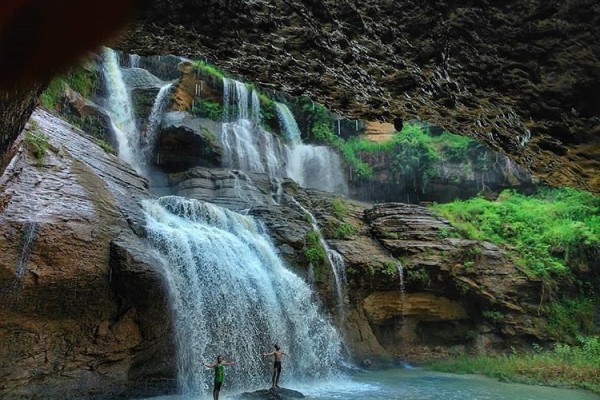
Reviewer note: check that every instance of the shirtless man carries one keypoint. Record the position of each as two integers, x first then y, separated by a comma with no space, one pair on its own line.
277,354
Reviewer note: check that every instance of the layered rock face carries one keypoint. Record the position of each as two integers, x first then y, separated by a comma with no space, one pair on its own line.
520,76
406,289
84,309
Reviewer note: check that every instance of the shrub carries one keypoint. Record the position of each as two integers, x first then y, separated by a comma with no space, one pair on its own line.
344,231
338,208
208,109
37,143
314,251
544,232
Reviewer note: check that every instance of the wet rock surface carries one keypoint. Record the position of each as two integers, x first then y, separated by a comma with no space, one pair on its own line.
520,76
73,323
272,394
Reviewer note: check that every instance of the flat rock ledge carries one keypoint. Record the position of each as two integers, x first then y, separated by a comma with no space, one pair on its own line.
272,394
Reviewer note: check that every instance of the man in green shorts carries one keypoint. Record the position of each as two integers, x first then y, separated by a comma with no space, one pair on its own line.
219,374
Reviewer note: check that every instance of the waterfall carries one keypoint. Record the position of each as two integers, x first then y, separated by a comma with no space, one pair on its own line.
400,268
255,107
288,122
232,295
154,121
235,100
28,242
120,108
316,167
334,258
134,61
246,145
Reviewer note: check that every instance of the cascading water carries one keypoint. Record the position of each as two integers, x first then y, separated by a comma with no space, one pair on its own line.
289,124
316,167
28,242
338,268
247,146
120,109
149,139
232,295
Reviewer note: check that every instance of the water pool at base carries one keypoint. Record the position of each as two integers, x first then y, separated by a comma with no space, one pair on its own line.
416,384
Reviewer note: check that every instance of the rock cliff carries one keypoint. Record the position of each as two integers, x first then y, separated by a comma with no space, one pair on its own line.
520,76
84,309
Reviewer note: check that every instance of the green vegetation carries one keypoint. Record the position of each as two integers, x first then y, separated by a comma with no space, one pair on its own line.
390,268
493,316
268,113
315,253
105,146
344,231
338,208
209,69
418,277
415,156
37,143
553,235
568,317
545,233
564,365
81,79
208,109
413,153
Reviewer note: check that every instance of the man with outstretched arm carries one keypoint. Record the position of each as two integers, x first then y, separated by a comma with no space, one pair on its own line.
277,355
219,374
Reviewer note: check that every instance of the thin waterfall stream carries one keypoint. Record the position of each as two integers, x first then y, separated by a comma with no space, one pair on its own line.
334,258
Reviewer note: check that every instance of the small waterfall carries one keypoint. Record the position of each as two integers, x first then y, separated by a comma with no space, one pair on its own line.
28,242
334,258
316,167
241,146
134,61
247,146
288,122
232,295
235,100
120,108
154,121
402,288
255,107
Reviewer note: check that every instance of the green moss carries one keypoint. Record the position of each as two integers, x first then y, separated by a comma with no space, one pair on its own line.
37,144
338,208
208,109
315,254
493,316
570,317
105,146
209,69
344,231
81,79
418,277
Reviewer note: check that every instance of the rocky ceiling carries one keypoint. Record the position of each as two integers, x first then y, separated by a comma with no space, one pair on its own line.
523,76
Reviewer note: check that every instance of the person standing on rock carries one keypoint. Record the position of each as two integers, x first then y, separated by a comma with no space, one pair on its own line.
278,355
219,368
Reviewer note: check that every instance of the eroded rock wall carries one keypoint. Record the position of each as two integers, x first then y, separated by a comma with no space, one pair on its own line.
84,311
520,75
